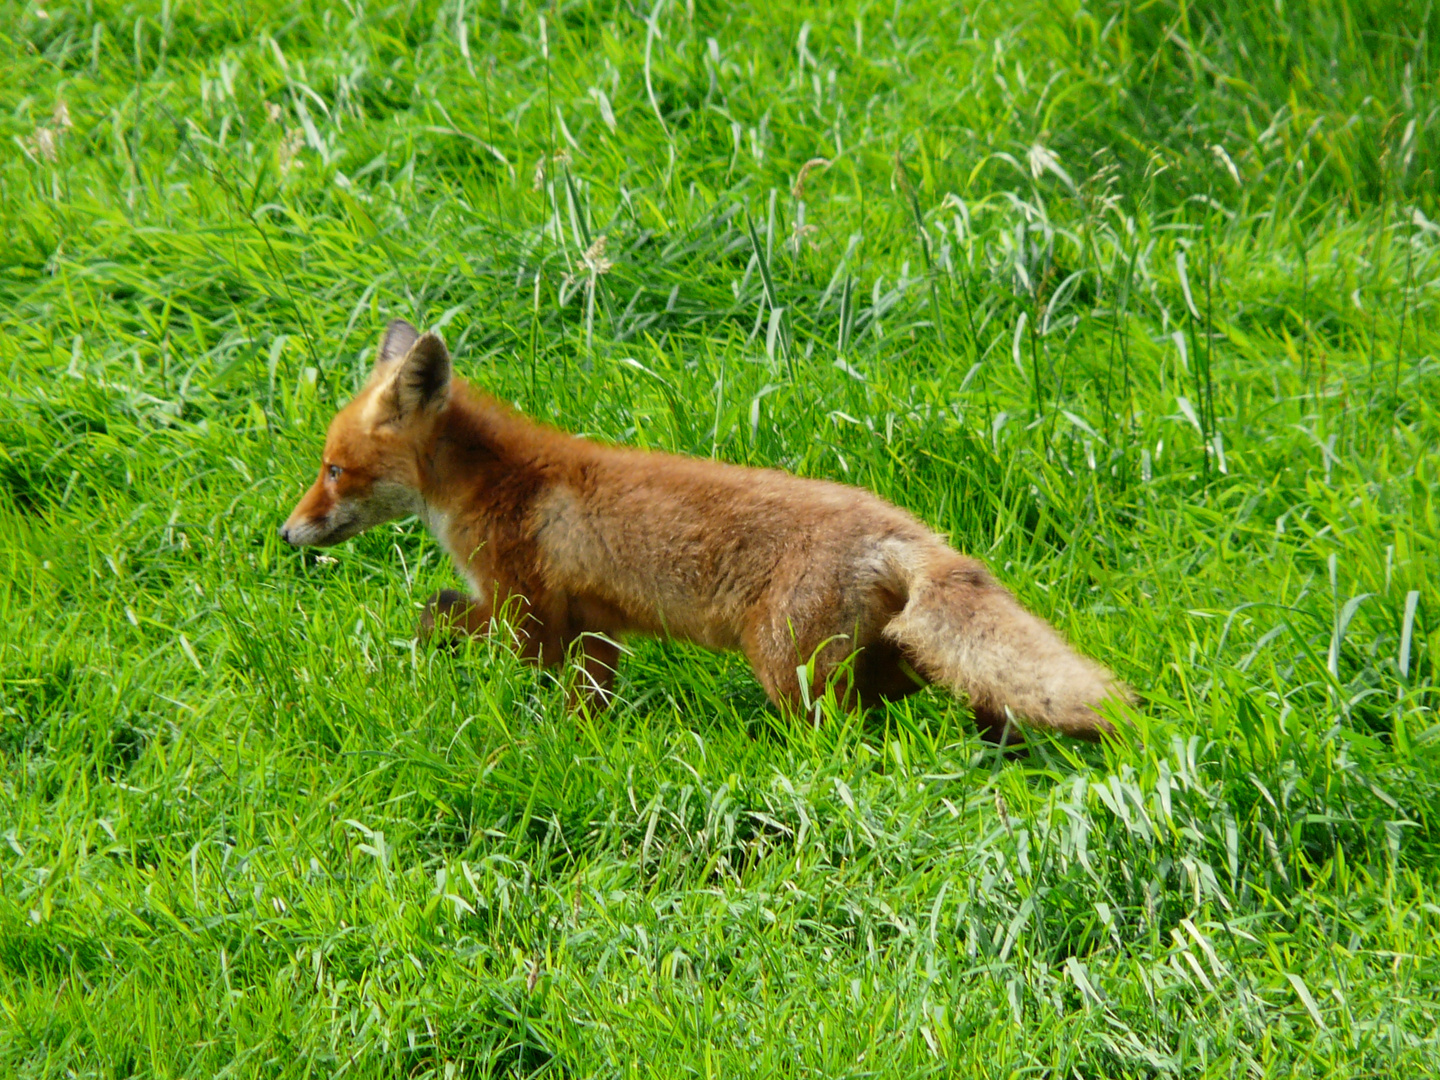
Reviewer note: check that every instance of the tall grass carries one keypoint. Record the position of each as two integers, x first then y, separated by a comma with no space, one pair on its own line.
1135,301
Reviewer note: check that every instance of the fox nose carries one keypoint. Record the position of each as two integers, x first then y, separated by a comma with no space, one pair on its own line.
285,533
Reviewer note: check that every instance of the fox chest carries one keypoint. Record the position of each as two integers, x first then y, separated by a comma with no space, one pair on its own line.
467,553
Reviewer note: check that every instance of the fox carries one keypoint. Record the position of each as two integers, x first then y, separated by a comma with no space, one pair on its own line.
583,543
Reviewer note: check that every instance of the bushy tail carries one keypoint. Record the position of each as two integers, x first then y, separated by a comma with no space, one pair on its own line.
962,629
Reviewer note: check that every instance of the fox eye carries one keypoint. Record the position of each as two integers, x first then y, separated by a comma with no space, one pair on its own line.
333,472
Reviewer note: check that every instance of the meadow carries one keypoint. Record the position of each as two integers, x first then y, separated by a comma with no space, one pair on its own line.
1134,300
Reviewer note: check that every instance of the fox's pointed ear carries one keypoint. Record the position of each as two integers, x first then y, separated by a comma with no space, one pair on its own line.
420,382
395,342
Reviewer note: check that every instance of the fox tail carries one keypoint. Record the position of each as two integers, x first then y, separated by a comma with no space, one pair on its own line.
961,628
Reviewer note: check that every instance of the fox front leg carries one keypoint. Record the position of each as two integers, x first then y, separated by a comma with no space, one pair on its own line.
592,676
449,614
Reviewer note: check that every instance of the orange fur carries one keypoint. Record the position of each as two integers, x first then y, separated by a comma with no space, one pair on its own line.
589,542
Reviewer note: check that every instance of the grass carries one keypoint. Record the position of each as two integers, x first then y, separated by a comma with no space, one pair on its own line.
1137,301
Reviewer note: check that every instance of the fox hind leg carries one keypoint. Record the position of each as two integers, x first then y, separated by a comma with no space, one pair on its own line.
841,642
882,673
849,643
869,676
773,658
994,727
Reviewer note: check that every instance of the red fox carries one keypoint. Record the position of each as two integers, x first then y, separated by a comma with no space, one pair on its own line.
588,542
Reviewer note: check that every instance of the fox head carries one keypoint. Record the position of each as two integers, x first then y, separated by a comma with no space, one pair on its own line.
370,470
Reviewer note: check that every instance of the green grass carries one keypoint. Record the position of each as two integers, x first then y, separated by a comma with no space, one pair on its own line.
1135,301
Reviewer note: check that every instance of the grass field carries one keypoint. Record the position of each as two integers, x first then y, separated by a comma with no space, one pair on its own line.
1137,301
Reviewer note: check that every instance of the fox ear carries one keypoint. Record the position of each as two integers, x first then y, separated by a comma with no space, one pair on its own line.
421,381
395,342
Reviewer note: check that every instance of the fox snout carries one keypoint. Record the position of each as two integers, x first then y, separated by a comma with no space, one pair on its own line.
307,537
322,521
315,526
296,536
325,517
